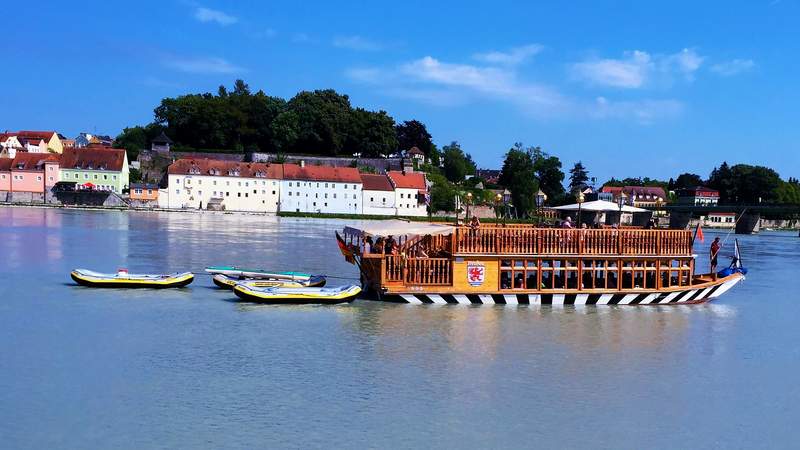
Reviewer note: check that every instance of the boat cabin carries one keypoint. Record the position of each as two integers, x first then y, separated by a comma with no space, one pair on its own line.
508,259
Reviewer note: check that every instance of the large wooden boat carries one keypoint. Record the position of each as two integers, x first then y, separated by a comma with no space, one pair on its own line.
523,264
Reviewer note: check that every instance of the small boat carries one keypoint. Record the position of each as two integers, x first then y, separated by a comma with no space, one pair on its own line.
736,263
295,296
123,279
239,272
227,282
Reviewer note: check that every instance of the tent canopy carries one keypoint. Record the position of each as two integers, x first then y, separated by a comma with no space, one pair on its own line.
398,228
598,206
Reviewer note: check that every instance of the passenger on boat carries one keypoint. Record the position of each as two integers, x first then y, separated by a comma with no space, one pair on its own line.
389,244
379,246
368,244
567,223
474,224
716,246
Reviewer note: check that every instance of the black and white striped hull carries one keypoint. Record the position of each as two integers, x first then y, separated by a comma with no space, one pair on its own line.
688,296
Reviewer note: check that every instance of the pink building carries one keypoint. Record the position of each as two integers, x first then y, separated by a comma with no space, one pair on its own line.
29,172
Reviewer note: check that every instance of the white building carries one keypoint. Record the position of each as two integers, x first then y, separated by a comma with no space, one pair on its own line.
9,144
229,185
410,192
378,195
320,189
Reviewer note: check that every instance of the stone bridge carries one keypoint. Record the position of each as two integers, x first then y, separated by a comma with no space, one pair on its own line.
748,217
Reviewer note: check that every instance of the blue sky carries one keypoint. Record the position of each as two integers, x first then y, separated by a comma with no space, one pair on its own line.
630,88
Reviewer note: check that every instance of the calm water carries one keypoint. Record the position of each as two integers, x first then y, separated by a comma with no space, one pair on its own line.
192,368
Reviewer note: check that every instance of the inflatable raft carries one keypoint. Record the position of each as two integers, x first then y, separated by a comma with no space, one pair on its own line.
294,296
123,279
239,272
226,282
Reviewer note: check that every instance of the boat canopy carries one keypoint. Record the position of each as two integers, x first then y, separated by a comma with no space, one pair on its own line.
398,228
599,205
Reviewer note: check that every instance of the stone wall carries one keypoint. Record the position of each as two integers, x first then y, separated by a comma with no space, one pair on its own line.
379,164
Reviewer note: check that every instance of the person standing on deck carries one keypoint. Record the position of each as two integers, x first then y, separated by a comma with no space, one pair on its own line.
715,248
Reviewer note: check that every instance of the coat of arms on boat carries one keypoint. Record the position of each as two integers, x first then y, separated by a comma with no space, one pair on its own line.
476,273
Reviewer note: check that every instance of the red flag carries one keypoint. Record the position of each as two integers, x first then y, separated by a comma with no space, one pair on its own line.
347,252
698,234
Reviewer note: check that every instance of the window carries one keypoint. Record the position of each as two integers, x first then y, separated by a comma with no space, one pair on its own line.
214,182
114,177
334,195
255,191
326,195
372,199
50,178
199,181
188,181
273,192
290,193
238,194
86,176
38,178
105,177
326,204
246,194
177,191
297,193
326,185
95,176
345,186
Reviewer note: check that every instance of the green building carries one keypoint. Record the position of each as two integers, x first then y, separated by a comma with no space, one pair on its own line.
101,168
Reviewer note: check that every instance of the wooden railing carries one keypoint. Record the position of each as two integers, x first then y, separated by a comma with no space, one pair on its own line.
428,271
419,271
560,241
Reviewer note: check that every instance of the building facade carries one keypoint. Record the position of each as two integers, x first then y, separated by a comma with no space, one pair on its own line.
321,189
410,190
41,141
96,168
698,196
228,185
9,145
29,172
378,196
143,193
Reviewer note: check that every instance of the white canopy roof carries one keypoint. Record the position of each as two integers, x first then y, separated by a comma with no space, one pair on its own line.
600,205
398,228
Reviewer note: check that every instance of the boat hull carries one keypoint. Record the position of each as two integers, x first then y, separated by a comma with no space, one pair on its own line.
295,297
690,295
226,282
171,282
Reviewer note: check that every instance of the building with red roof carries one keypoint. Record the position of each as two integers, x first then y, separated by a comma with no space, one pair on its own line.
29,172
40,141
638,196
698,196
321,189
378,195
410,192
222,184
99,168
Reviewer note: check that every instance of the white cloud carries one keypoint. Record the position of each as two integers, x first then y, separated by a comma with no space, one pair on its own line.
356,43
512,57
733,67
644,111
637,68
203,65
439,83
206,15
630,72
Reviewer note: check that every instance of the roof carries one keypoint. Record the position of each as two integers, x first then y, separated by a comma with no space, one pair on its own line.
638,191
93,158
143,186
407,180
31,161
162,139
398,228
415,151
374,182
45,135
721,214
697,190
599,205
321,173
224,168
5,164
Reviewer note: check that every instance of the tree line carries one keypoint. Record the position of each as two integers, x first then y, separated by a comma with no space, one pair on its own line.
321,122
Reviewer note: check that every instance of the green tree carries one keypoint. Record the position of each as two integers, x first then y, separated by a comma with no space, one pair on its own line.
578,177
442,194
519,176
371,133
413,133
548,172
455,162
688,180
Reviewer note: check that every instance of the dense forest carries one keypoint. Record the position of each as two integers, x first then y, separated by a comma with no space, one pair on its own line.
321,122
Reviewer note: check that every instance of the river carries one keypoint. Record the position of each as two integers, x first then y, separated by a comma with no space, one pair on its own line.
193,368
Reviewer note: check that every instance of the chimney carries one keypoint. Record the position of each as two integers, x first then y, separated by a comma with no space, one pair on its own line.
302,163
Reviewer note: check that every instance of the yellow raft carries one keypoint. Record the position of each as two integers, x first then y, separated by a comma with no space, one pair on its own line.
228,282
123,279
297,296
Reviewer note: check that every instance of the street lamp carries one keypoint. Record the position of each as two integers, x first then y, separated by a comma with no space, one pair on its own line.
580,198
498,199
621,202
469,200
541,197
